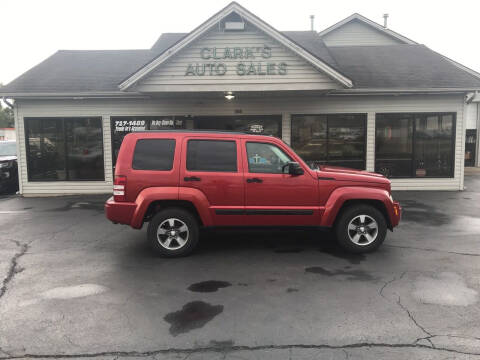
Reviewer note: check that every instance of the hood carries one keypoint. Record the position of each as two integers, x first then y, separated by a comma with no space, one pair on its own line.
352,175
344,170
7,157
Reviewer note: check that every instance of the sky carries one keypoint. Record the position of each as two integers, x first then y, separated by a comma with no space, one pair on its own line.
32,30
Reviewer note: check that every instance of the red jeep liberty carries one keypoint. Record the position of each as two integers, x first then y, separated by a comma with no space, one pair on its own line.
179,181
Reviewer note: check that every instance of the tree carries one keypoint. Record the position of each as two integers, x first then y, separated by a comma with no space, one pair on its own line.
6,116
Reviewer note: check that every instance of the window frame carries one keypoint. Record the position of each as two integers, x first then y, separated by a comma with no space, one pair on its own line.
155,139
423,115
234,141
265,143
327,138
63,119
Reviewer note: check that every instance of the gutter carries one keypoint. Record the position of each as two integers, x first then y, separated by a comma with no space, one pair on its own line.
400,91
75,96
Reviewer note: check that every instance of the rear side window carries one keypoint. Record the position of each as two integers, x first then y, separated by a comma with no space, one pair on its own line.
154,154
212,155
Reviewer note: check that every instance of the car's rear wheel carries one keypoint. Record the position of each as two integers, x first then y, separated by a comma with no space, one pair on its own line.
361,229
173,232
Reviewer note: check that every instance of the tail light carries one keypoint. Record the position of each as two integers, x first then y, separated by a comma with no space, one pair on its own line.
119,188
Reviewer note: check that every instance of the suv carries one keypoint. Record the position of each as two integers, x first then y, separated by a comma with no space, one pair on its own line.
179,181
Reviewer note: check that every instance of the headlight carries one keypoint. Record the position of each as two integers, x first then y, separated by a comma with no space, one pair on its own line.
5,164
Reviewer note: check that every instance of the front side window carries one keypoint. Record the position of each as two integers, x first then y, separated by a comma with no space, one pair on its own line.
415,145
212,155
266,158
64,149
154,154
334,139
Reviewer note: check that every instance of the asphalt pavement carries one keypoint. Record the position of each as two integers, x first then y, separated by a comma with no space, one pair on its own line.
74,285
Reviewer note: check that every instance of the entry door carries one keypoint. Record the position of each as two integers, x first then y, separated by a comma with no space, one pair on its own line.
213,167
273,197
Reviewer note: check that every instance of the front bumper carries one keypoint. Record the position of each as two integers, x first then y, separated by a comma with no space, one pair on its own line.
119,212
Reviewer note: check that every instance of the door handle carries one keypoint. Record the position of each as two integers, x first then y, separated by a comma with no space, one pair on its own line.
191,178
254,180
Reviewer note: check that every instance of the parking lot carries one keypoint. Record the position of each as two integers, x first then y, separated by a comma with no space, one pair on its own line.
75,285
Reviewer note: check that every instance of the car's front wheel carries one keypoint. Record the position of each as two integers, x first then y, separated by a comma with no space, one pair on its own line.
173,232
361,229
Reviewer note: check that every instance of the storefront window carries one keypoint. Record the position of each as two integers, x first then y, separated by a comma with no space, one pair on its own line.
337,139
415,145
261,124
123,125
64,149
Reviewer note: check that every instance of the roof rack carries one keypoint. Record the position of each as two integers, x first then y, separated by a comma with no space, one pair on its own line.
200,131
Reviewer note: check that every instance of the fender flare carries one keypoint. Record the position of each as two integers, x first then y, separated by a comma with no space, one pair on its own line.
340,195
151,194
146,197
200,201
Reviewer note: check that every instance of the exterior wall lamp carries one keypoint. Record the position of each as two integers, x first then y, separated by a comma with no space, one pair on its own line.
229,95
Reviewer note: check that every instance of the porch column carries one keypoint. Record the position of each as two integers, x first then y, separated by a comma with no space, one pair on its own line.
107,148
370,145
286,128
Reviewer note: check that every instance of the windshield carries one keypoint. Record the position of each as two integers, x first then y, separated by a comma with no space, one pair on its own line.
8,148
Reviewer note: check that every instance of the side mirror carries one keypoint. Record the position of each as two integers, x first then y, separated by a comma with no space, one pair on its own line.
294,168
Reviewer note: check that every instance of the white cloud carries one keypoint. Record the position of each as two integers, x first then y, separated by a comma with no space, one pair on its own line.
33,30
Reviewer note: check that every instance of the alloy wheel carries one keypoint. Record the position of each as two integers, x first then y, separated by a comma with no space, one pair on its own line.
172,234
362,230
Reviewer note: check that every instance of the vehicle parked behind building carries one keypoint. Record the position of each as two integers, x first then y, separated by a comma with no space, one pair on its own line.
179,181
8,166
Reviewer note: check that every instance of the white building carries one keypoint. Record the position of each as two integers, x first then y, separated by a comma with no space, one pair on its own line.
355,94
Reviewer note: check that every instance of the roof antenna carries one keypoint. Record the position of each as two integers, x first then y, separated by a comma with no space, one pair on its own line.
312,20
385,20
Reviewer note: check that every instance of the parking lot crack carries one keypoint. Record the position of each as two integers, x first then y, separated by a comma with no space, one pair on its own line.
198,350
13,268
412,318
434,250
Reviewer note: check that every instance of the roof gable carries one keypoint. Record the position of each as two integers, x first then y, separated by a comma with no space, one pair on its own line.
361,31
247,60
253,20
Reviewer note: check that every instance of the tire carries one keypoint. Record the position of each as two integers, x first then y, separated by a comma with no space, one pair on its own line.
357,237
173,241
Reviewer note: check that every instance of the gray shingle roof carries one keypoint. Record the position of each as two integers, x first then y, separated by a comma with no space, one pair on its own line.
80,70
400,66
395,66
314,44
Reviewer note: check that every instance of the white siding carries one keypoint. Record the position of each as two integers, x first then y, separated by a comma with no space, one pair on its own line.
471,115
249,105
171,76
356,33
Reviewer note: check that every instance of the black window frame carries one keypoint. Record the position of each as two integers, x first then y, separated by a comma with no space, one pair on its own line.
210,140
154,139
63,119
414,116
328,116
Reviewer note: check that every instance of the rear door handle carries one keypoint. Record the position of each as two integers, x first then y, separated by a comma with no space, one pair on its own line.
191,178
254,180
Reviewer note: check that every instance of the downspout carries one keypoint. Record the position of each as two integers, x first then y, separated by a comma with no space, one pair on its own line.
9,104
477,152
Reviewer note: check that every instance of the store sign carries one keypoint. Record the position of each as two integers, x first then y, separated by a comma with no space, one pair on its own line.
251,61
129,125
142,125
